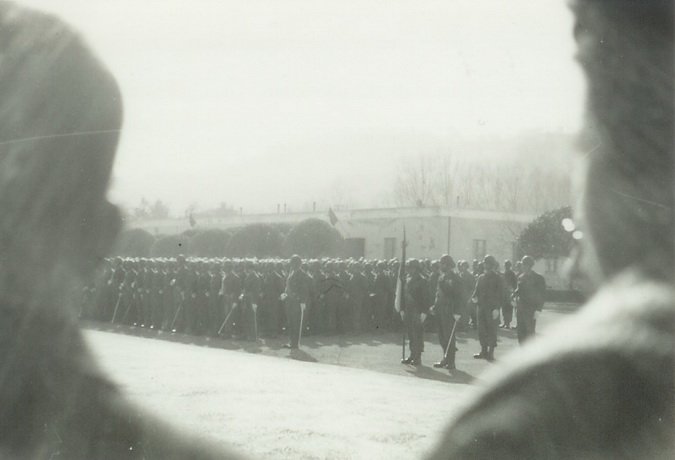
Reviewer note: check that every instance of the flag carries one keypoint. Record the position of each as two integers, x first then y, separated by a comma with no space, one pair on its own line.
333,218
399,302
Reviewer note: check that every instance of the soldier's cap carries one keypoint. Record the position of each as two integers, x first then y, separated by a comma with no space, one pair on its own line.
413,263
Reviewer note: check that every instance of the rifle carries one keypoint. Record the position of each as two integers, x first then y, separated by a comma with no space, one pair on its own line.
131,303
222,326
302,315
255,320
117,306
178,310
452,335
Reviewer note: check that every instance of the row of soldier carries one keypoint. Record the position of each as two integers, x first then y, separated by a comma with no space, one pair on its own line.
244,298
491,297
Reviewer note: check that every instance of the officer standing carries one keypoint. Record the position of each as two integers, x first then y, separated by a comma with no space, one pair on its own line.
381,296
415,312
447,309
489,296
296,296
529,296
333,294
511,281
249,301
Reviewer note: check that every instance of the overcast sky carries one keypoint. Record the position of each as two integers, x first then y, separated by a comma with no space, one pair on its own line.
259,102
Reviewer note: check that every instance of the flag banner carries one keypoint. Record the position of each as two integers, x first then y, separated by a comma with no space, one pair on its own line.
332,216
399,300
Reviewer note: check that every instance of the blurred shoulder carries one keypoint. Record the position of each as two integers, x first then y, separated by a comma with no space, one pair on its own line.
601,383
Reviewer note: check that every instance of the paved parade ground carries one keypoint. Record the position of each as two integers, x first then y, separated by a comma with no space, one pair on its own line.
336,397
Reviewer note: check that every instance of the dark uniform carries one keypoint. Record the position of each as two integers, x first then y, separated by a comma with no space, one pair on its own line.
182,302
232,286
215,300
297,294
529,299
381,298
489,294
314,307
468,286
169,296
447,304
127,308
157,295
344,312
416,305
511,281
358,296
250,300
272,287
333,293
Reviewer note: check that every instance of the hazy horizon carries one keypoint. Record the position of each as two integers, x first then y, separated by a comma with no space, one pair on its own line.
259,102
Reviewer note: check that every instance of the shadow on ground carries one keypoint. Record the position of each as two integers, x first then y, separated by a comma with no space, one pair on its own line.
378,351
453,376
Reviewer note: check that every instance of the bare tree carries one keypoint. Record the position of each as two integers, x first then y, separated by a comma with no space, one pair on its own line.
415,183
532,180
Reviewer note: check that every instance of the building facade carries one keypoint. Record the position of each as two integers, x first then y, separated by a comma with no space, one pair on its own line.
378,233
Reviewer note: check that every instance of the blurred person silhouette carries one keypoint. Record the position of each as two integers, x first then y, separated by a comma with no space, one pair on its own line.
601,385
60,117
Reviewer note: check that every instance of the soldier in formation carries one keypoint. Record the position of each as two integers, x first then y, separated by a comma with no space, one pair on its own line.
249,298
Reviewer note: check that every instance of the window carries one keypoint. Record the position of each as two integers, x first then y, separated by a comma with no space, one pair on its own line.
355,247
479,249
389,248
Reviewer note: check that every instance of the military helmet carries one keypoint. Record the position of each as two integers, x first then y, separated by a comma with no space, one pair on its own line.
490,262
447,260
414,264
527,261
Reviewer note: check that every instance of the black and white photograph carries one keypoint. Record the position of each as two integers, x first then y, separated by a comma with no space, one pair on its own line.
337,229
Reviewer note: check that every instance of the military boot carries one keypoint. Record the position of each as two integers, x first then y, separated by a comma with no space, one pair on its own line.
483,353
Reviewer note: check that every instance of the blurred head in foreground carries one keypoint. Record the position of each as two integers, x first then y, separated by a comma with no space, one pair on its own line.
600,385
60,116
626,203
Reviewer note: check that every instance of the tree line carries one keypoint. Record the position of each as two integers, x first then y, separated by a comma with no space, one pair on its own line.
312,238
309,238
531,178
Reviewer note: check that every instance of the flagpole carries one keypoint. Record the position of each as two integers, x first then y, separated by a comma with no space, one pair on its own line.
399,303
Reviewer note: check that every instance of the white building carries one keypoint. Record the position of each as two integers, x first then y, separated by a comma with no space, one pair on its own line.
377,233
